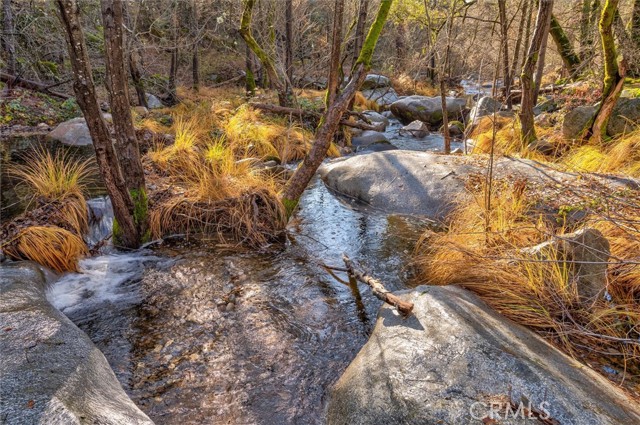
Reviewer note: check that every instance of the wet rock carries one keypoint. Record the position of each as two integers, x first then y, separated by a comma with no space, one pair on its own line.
576,121
51,373
416,129
376,117
367,138
426,109
375,81
485,106
377,147
153,102
542,146
454,357
586,253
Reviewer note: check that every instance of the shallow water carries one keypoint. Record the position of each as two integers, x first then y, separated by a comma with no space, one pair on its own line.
160,316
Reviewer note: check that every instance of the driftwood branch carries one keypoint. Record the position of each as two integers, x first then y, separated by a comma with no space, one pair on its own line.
282,110
31,85
377,287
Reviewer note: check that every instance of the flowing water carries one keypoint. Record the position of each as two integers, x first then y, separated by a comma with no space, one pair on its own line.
201,335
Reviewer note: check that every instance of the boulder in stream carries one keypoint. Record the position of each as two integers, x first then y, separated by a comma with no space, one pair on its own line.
415,129
74,133
485,106
427,109
51,373
456,361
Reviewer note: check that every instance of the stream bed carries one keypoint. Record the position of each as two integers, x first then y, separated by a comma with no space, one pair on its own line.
200,335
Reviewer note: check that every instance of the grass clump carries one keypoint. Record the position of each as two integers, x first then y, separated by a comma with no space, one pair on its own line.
618,155
507,137
485,252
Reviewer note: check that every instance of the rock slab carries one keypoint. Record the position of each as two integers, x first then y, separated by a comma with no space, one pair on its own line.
51,373
427,109
453,358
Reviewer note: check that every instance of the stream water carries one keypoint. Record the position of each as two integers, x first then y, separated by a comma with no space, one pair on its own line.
201,335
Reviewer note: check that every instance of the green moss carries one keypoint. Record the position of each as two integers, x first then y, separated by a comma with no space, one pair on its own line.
289,206
141,211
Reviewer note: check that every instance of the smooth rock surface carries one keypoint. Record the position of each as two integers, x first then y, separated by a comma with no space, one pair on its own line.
576,121
624,118
51,373
368,137
426,109
383,96
375,81
415,129
376,117
74,132
153,102
455,356
485,106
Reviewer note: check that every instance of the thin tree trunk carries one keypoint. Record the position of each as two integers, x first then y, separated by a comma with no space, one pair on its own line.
289,40
125,134
250,80
332,116
358,38
285,95
569,57
173,66
587,27
527,129
134,68
542,56
334,64
195,59
527,36
8,40
504,43
613,74
84,89
516,53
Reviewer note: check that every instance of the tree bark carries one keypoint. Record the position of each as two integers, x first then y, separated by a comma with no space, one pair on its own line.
528,85
134,68
289,40
504,43
250,79
172,95
569,57
10,79
332,116
195,58
8,39
542,56
125,134
635,24
107,159
285,95
334,63
613,81
587,23
358,39
527,36
516,53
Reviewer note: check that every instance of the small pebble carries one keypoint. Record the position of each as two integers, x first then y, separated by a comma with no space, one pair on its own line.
230,307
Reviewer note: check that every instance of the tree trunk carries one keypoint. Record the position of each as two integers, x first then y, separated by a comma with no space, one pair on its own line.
635,24
125,133
587,23
445,117
8,39
613,74
569,57
542,57
285,95
516,54
527,129
358,38
134,68
250,79
332,116
84,89
527,37
195,59
333,83
504,43
172,95
289,40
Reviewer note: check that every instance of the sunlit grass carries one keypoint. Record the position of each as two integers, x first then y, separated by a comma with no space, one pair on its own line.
619,155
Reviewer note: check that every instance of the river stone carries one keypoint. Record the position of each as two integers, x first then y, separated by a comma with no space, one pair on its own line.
587,253
368,137
376,117
548,105
74,132
426,109
542,146
383,96
624,118
377,147
153,102
51,373
416,129
375,81
454,356
485,106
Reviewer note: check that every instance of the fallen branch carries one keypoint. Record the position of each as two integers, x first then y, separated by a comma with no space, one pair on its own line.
31,85
377,287
229,81
282,110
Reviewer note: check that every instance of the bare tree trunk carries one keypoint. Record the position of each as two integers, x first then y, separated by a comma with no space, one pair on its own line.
527,129
134,68
613,74
526,15
195,59
569,57
334,64
542,55
332,116
504,43
358,37
285,94
527,37
8,40
289,40
250,80
172,95
126,141
84,89
590,10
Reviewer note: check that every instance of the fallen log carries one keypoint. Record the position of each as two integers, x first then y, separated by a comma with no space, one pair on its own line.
31,85
404,307
282,110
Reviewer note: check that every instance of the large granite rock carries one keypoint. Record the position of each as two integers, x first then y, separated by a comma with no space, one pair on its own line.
485,106
74,133
456,361
371,141
51,373
427,109
375,118
383,96
624,118
375,81
153,102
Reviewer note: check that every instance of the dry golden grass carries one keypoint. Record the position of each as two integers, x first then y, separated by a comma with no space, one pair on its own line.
619,155
491,262
50,246
405,85
364,104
